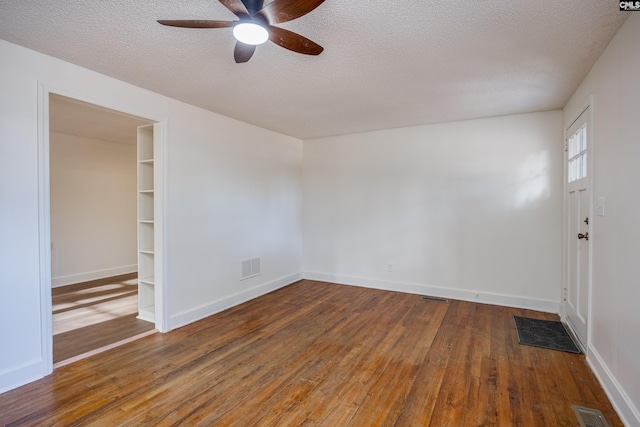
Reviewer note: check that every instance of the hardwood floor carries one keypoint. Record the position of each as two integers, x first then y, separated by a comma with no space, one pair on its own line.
91,315
321,354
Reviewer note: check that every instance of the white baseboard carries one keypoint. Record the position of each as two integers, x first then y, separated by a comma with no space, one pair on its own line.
21,375
92,275
628,413
420,289
211,308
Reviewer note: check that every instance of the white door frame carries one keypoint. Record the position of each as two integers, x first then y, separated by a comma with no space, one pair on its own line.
44,214
587,108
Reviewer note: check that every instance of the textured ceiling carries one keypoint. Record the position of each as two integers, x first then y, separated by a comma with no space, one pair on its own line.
79,118
386,63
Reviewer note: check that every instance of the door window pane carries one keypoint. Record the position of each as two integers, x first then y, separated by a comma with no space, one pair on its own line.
577,155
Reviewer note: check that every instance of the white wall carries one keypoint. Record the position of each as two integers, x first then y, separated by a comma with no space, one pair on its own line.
459,209
232,191
614,343
93,208
237,195
470,210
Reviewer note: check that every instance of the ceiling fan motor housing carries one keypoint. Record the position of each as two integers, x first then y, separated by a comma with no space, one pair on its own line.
253,6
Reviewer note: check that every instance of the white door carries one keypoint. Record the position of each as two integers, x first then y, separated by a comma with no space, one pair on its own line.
578,202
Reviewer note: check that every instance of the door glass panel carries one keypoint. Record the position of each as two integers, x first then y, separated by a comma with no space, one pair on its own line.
577,155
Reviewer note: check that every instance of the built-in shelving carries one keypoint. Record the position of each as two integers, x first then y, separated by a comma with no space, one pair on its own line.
146,225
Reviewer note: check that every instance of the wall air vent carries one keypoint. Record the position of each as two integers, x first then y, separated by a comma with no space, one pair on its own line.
250,268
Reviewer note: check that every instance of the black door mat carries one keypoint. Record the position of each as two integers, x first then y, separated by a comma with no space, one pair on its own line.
545,334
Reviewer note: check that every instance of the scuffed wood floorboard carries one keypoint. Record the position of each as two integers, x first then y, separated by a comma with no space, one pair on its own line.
320,354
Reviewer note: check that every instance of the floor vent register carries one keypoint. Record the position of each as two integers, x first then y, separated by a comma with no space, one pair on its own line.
433,299
588,417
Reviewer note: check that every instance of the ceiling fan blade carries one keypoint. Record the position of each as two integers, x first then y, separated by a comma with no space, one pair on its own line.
243,52
237,7
195,23
287,10
292,41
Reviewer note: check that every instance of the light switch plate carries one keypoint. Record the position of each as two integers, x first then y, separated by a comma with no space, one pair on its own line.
600,206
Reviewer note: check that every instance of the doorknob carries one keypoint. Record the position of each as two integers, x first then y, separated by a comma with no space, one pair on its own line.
584,236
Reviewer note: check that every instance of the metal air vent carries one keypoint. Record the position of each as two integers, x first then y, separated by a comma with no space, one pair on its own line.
250,268
433,299
588,417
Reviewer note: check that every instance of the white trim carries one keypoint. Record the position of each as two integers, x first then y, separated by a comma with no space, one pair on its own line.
44,366
422,289
44,233
160,222
627,411
92,275
591,149
582,110
22,374
189,316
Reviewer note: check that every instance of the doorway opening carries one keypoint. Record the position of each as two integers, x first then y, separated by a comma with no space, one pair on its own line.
94,203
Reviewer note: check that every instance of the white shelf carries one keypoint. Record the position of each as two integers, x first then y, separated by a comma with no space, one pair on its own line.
146,202
145,176
146,225
145,143
147,313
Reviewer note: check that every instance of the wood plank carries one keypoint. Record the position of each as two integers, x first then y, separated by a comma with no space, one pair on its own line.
91,315
322,354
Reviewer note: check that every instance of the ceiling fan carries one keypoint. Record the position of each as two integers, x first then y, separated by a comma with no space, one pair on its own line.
254,25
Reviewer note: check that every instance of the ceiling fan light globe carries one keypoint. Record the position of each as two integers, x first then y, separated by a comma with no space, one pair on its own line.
250,33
